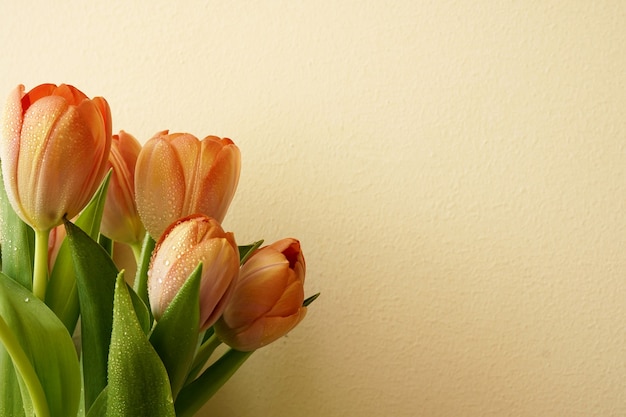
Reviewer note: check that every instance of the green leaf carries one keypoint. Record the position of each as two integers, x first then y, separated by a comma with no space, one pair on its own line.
192,397
175,335
18,243
203,354
134,366
247,250
62,294
10,395
46,346
95,280
99,407
141,277
310,299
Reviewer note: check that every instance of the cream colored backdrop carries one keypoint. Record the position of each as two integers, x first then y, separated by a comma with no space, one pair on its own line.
456,171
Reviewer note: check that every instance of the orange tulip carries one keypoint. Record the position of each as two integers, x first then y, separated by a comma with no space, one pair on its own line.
120,220
54,149
182,247
268,297
178,175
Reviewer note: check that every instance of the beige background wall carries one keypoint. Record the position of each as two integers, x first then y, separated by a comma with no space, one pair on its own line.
456,171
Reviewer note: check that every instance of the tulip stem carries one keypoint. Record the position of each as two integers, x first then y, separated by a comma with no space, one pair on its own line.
192,397
202,356
40,273
136,247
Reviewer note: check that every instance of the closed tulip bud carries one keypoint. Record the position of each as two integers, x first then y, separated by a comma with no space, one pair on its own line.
268,297
178,175
120,220
54,150
182,247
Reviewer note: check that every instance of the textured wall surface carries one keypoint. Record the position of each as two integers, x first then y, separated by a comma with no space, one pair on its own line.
456,171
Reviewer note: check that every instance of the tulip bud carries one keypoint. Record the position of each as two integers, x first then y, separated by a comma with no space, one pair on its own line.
120,219
182,247
54,149
178,175
267,301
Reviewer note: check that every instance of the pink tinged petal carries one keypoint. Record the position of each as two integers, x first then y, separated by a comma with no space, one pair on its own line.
39,207
192,240
10,137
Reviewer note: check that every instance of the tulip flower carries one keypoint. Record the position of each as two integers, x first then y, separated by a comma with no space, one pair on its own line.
182,247
54,149
54,152
268,297
120,220
178,175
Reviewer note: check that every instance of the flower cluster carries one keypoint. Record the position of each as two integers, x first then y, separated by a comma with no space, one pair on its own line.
71,190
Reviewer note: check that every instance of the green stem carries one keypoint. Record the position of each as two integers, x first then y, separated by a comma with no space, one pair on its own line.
193,396
136,247
25,369
202,356
40,273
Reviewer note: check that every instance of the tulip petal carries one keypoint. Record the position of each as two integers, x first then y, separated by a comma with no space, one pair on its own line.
222,179
37,93
159,179
71,94
121,221
258,291
290,301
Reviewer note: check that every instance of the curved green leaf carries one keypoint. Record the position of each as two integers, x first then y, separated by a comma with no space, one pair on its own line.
46,344
10,395
247,250
95,282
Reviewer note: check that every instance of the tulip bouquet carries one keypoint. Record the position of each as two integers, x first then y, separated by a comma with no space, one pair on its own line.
77,336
